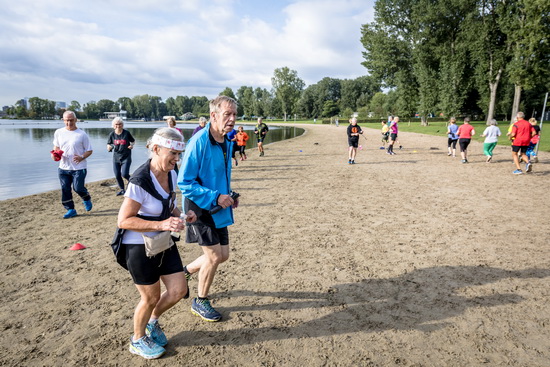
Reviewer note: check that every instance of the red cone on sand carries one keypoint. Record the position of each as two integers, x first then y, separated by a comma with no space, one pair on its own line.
77,246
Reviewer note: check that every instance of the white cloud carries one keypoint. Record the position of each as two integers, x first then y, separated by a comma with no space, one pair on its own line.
66,50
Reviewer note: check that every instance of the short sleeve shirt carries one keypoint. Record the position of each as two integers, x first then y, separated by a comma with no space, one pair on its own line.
73,143
522,129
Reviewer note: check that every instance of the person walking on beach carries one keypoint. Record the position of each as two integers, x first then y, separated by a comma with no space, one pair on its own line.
531,153
491,134
71,147
394,131
232,136
242,138
148,215
261,130
452,137
121,142
171,122
465,133
522,132
202,124
385,134
353,132
205,184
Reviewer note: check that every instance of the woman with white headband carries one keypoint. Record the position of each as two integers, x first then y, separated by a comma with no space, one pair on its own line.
148,215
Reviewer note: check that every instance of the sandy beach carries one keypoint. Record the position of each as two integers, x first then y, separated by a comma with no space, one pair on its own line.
406,260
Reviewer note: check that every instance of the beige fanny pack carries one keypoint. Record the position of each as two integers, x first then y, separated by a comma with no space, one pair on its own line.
157,244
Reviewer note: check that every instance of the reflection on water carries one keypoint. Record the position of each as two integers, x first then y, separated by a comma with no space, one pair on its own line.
27,168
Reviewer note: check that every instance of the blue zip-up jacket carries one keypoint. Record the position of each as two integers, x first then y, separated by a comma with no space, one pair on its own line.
204,176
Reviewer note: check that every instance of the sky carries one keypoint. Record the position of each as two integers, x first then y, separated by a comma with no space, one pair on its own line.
87,50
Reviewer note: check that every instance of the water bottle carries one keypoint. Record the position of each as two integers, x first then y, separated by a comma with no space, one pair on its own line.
177,235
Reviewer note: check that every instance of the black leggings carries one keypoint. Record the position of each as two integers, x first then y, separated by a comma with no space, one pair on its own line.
452,142
122,169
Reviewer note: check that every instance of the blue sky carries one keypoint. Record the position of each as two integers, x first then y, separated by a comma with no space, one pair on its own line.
66,50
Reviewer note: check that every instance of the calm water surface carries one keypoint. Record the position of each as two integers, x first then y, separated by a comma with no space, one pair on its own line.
26,167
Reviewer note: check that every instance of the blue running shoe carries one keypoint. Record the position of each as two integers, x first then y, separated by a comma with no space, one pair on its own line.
70,213
203,309
146,348
88,205
154,332
517,172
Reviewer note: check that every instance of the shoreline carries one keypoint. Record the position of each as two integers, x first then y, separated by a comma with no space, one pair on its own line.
422,259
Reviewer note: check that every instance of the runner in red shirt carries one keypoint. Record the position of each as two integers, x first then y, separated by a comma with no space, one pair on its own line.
465,133
522,132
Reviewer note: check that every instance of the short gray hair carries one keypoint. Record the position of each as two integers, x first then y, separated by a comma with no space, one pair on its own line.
493,122
115,120
520,115
216,103
165,132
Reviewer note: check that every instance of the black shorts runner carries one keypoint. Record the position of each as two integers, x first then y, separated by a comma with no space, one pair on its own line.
207,236
147,270
463,142
353,142
517,148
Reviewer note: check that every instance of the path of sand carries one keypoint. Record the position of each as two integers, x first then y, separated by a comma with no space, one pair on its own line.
405,260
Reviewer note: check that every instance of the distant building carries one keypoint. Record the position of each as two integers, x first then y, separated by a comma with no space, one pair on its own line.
59,104
111,115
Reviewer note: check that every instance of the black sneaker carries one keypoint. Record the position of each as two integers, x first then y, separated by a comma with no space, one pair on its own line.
120,193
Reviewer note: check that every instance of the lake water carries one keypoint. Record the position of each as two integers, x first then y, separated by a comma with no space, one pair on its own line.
27,168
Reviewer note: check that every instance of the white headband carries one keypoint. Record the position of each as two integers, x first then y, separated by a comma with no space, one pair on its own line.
168,143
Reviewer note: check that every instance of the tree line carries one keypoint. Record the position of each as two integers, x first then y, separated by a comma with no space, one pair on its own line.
455,57
287,98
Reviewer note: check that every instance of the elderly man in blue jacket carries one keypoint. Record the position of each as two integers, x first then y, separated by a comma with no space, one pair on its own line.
205,182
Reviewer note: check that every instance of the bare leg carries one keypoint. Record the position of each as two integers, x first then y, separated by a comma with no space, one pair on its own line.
176,287
206,265
150,295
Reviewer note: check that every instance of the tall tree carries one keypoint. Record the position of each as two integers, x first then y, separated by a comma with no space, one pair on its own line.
288,87
528,30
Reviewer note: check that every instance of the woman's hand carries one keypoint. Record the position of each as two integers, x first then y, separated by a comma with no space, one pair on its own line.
173,224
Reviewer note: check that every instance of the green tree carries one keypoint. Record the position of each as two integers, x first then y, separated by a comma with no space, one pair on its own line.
527,26
74,106
378,105
125,104
288,87
245,97
330,109
90,110
228,92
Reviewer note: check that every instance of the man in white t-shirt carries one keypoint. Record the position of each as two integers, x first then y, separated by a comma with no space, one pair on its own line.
71,147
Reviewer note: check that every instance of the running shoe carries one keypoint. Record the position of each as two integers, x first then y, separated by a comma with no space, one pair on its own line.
400,147
352,162
153,331
120,193
534,159
349,161
203,309
518,172
261,154
70,213
382,148
528,167
464,161
88,205
146,348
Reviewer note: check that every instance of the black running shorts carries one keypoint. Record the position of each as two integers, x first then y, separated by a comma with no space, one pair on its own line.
147,270
463,143
207,236
523,149
353,142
